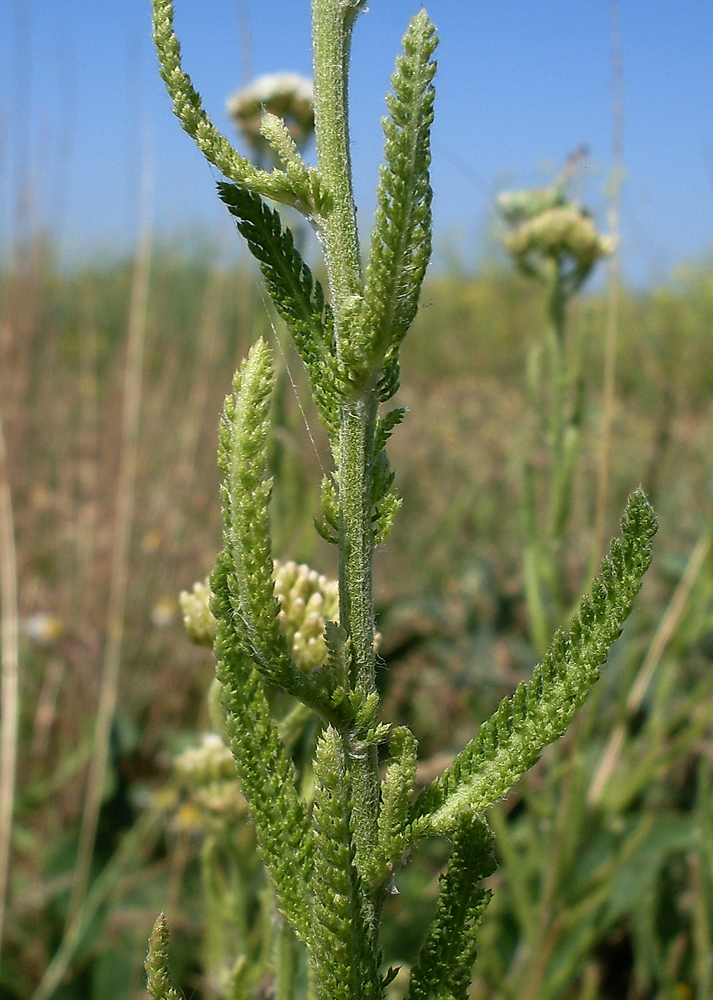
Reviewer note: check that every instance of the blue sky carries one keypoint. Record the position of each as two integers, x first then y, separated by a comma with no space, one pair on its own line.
520,85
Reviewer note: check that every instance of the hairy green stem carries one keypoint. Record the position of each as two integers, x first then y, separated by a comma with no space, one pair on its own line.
558,376
356,535
332,22
332,28
356,547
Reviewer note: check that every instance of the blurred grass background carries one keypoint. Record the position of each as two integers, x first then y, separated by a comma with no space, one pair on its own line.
450,603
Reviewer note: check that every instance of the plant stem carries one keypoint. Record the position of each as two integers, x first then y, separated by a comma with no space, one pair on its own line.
109,683
556,344
543,554
547,929
332,22
286,961
10,674
356,542
613,289
356,604
141,838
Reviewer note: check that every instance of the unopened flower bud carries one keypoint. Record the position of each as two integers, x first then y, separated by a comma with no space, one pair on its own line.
197,616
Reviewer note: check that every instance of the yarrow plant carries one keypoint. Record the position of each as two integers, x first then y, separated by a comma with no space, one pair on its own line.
332,846
554,241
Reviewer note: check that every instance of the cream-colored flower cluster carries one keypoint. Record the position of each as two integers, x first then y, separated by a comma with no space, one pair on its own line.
565,230
547,230
197,617
287,95
306,600
202,765
206,794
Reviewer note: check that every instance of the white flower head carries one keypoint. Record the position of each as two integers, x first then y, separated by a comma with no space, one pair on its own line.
287,95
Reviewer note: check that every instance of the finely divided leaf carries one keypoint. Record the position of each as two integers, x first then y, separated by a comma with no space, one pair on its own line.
540,711
303,191
385,426
342,952
396,792
246,492
401,240
298,298
158,978
267,774
445,963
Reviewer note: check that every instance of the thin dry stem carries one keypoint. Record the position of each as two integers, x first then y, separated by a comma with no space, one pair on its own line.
140,838
86,465
613,296
10,674
120,558
46,707
189,434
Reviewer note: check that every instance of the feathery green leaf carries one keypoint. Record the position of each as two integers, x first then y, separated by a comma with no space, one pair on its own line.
385,515
385,426
329,528
396,792
444,965
386,501
301,189
266,772
246,493
158,978
401,240
298,298
304,181
540,711
343,955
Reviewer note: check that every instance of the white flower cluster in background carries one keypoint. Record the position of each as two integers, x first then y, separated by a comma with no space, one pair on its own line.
197,616
205,796
546,228
287,95
211,761
564,229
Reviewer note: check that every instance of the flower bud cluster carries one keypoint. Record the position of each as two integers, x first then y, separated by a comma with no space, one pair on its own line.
566,230
208,795
202,765
197,616
552,234
306,600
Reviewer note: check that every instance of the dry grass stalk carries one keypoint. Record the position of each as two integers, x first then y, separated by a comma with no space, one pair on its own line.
10,673
613,297
125,496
